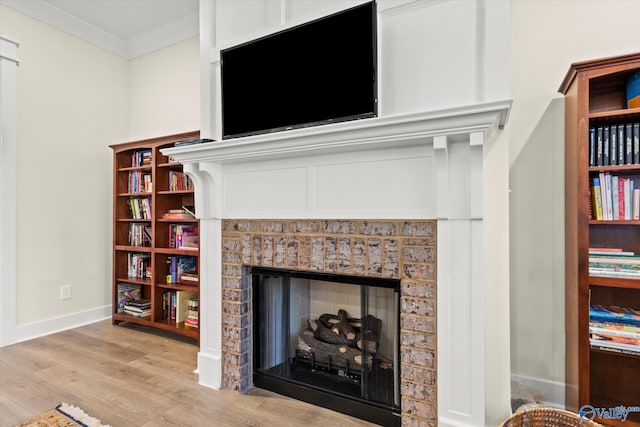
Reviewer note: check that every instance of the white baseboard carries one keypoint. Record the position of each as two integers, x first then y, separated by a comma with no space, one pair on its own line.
552,392
58,324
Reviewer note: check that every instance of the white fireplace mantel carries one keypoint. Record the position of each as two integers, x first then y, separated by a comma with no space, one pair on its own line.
416,166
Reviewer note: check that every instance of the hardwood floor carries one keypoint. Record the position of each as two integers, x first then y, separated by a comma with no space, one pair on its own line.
135,376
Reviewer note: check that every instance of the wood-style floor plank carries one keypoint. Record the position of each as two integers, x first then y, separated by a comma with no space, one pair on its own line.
132,376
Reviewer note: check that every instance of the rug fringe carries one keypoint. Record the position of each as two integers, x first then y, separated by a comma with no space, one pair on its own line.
79,415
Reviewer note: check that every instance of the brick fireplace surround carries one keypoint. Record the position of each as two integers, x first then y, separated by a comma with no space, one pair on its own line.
394,249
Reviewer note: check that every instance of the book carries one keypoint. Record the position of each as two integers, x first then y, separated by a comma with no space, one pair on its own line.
592,146
621,148
622,266
611,252
608,202
614,332
613,327
606,149
635,341
613,137
612,258
177,214
141,315
615,314
615,198
615,347
599,148
628,138
192,323
134,309
628,202
621,198
633,90
138,304
612,272
597,199
636,142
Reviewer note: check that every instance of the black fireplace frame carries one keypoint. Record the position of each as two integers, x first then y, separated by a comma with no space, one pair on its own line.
375,412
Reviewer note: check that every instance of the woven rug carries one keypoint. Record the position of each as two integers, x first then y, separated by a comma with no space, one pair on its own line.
64,415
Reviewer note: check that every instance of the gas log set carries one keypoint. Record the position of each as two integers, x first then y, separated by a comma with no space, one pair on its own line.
338,341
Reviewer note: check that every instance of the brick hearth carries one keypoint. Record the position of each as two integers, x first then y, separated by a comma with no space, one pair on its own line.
402,249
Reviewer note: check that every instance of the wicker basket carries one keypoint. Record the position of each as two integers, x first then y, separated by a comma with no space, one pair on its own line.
543,416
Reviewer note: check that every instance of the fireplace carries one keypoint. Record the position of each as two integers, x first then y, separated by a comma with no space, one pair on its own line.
328,339
350,262
415,187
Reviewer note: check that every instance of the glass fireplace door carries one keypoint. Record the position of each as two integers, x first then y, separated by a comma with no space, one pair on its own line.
334,334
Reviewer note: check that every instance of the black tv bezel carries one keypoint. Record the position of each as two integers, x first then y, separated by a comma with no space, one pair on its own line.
366,115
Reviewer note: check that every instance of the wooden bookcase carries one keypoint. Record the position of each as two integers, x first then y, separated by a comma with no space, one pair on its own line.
145,245
595,96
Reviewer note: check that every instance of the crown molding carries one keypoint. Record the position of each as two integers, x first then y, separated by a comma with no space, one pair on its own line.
158,38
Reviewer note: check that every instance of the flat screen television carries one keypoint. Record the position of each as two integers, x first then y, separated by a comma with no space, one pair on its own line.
319,72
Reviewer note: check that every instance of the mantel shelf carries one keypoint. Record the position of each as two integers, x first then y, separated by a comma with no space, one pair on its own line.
367,134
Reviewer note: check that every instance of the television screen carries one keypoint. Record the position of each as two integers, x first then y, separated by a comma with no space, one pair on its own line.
319,72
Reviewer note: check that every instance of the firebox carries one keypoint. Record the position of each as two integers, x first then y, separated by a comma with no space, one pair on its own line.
329,339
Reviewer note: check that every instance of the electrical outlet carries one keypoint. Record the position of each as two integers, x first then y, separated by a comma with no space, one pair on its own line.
65,292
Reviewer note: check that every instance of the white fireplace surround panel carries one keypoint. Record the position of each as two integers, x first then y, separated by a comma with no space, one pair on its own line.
417,166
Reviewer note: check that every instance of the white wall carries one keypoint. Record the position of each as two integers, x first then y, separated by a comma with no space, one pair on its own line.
73,101
546,38
164,91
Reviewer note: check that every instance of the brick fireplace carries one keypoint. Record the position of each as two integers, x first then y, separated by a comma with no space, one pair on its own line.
406,184
395,249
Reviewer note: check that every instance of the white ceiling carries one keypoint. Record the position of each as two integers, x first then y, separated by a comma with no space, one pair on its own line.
129,28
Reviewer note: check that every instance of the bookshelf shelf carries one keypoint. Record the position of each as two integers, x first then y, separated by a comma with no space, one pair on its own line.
601,146
126,248
139,194
624,114
614,222
616,168
615,282
144,181
134,280
179,286
615,353
171,193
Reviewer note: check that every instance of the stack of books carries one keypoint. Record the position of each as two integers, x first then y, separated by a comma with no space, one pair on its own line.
184,236
613,262
192,313
138,308
128,292
141,158
613,328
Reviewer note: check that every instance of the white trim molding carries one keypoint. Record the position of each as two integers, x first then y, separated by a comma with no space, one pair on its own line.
8,76
163,36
